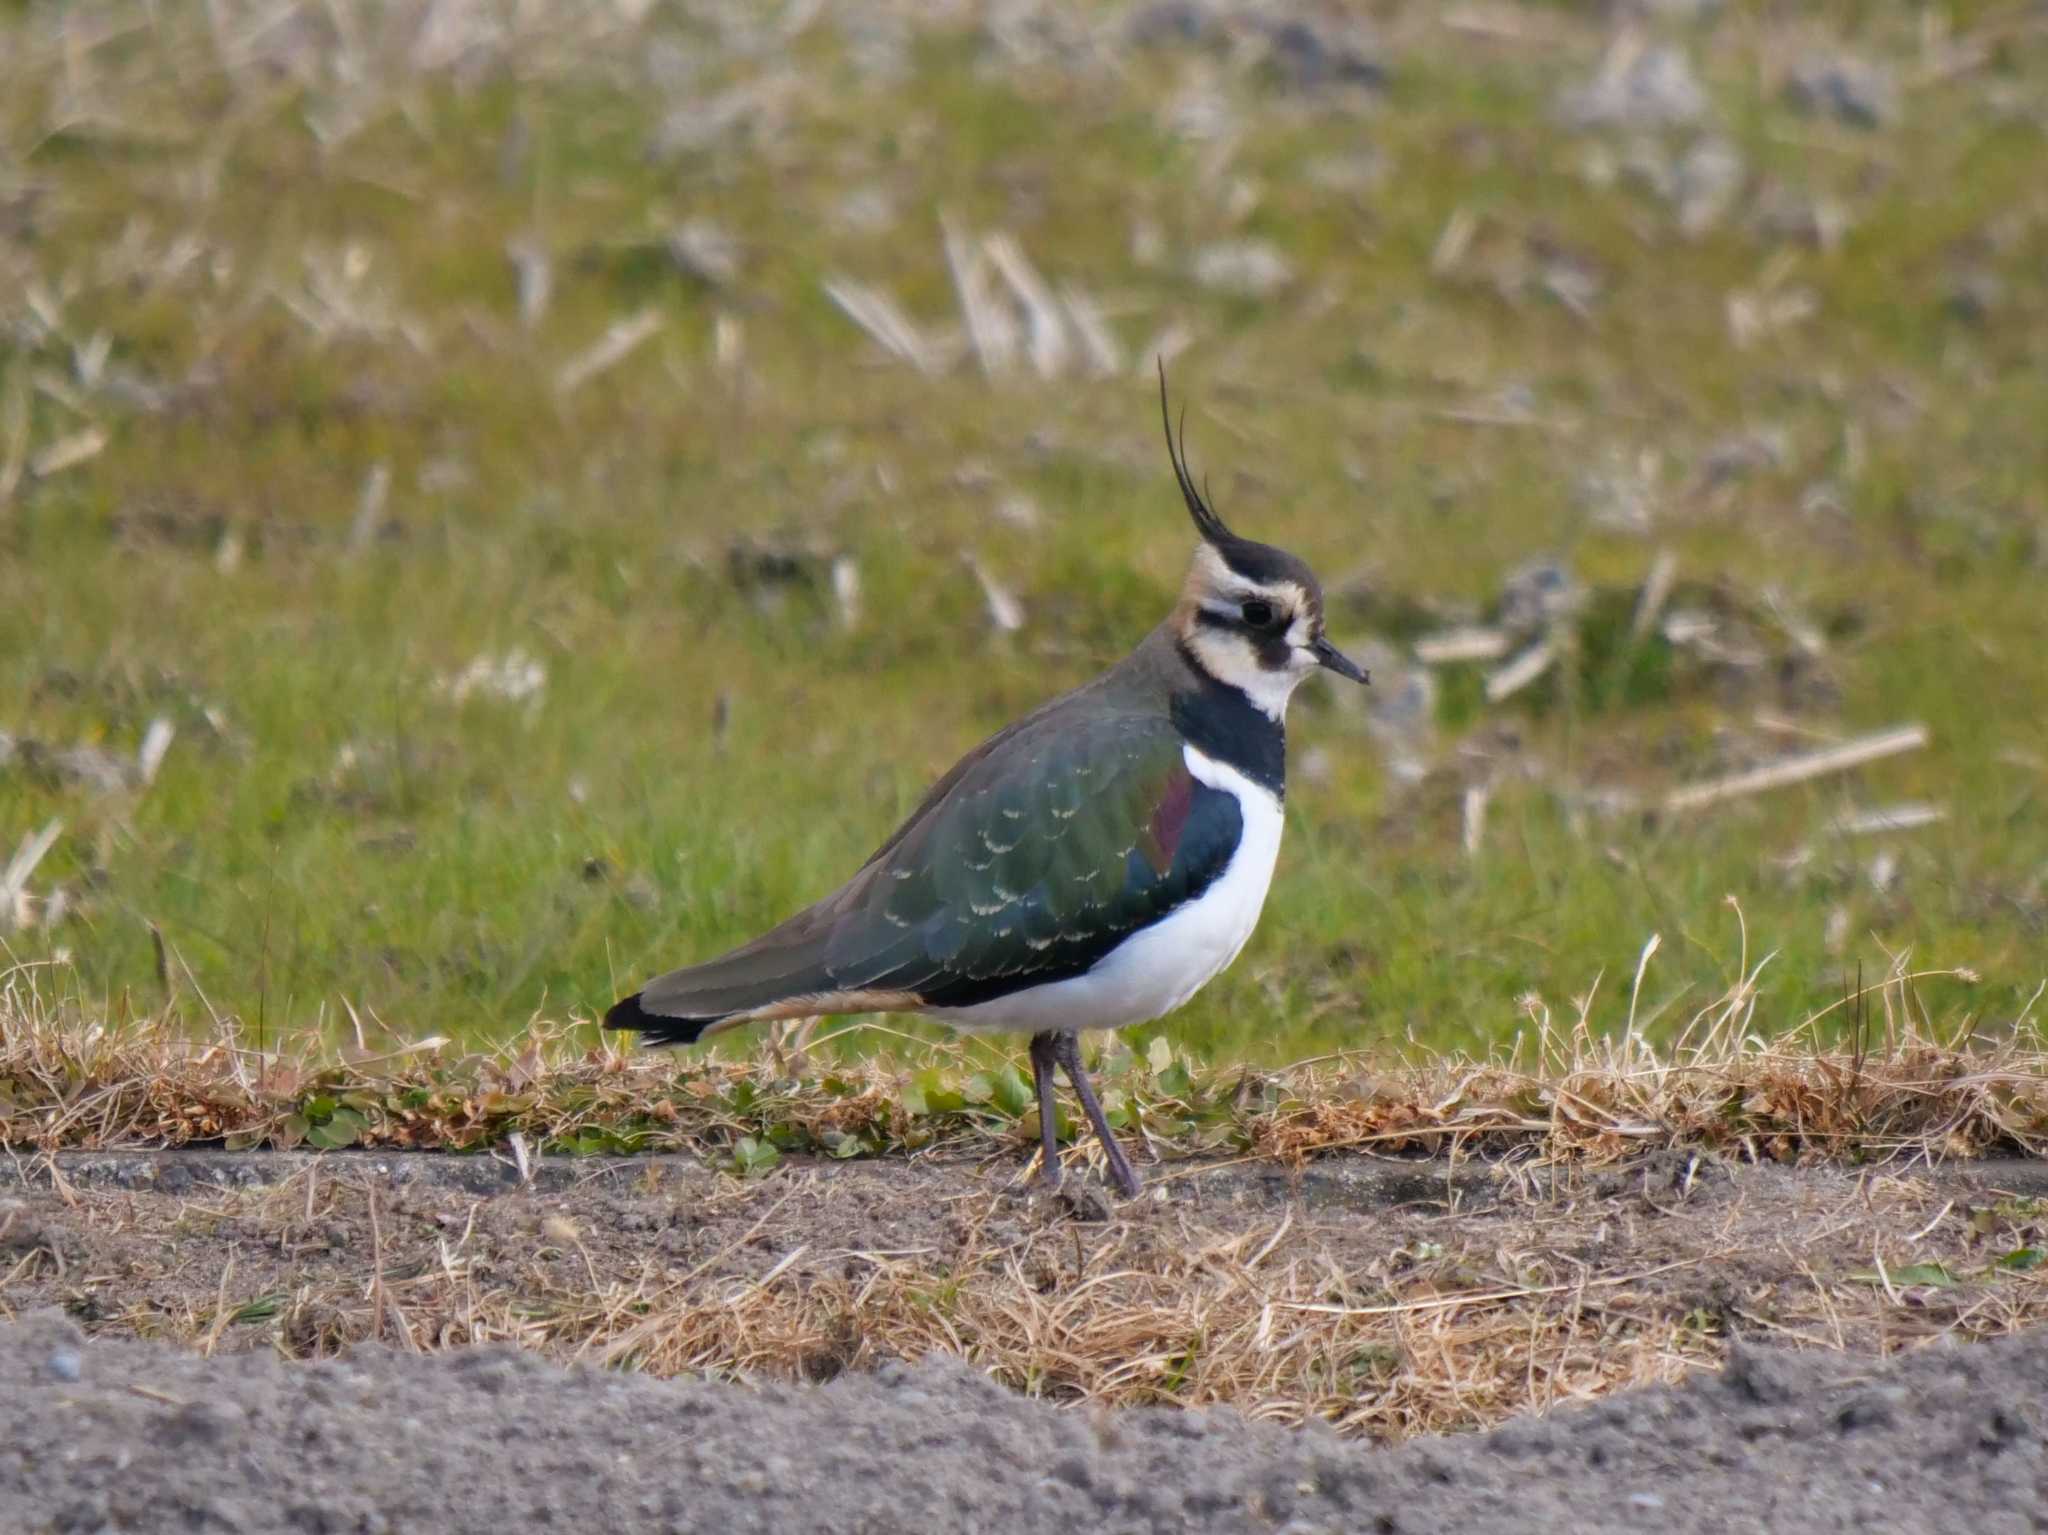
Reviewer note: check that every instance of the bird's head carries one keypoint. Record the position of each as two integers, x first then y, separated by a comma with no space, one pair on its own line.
1250,615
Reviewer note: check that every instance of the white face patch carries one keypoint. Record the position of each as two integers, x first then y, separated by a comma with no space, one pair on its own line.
1231,658
1299,639
1230,654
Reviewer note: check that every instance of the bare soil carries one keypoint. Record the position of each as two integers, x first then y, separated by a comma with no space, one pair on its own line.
1368,1300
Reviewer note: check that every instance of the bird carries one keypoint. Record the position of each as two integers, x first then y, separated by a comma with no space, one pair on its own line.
1091,866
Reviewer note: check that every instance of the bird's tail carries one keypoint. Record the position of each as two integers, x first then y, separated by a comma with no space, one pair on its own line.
783,973
630,1013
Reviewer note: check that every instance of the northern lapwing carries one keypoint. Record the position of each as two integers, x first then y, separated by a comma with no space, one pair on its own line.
1090,867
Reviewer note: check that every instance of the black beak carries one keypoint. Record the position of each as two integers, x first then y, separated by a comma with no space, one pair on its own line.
1330,656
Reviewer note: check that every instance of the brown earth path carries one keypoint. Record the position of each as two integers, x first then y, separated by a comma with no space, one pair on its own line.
1390,1298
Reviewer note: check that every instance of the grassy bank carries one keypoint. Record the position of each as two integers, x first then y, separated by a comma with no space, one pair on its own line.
451,436
1888,1088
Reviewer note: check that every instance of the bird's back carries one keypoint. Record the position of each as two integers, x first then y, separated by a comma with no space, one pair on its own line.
1035,855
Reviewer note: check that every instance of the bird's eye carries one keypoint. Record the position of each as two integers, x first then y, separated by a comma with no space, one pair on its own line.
1258,614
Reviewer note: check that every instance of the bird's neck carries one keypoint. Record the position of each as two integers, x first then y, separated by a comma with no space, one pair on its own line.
1223,723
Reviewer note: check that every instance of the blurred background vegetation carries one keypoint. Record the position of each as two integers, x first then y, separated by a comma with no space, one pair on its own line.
499,499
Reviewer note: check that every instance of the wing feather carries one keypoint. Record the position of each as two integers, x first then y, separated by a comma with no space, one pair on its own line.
1043,851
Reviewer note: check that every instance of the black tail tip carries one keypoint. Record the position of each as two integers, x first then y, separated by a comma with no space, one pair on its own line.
627,1013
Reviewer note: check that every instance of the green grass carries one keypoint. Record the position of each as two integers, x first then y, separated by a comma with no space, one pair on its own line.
328,826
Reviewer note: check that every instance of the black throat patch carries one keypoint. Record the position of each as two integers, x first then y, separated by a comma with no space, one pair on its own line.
1223,724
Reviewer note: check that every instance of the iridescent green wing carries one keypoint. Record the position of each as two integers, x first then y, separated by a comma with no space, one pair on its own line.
1035,861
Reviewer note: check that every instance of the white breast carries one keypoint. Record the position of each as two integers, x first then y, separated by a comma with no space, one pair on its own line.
1158,968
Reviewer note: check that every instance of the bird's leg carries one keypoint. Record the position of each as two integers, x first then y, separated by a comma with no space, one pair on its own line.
1067,1050
1044,1056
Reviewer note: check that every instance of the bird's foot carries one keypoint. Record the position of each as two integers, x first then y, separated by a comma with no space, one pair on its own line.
1085,1201
1122,1174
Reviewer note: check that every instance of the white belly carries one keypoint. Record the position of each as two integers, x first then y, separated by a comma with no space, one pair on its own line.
1157,969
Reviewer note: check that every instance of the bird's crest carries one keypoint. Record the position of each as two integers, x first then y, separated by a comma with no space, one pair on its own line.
1207,523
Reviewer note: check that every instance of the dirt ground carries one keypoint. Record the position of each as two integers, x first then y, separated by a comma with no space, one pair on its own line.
1373,1301
125,1436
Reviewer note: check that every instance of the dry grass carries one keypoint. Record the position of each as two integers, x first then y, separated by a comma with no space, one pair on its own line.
1876,1088
1238,1319
1556,1285
1400,1320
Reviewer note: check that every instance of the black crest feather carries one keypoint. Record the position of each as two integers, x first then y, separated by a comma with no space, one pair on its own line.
1207,523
